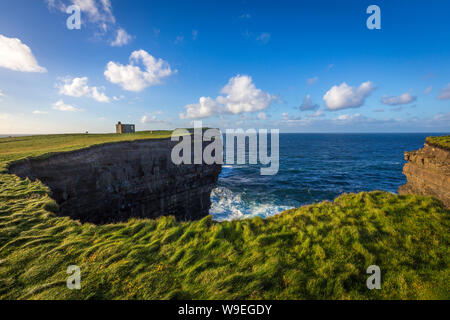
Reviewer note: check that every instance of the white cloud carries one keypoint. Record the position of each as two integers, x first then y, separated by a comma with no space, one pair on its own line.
404,98
348,117
291,120
115,98
17,56
122,38
206,107
39,112
245,16
344,96
241,96
132,78
2,94
97,11
263,37
152,119
442,117
262,116
428,90
318,113
61,106
308,105
445,93
78,87
312,80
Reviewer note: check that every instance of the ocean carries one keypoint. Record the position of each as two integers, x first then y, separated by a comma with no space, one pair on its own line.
314,168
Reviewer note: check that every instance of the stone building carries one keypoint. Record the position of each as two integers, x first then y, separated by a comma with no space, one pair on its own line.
125,128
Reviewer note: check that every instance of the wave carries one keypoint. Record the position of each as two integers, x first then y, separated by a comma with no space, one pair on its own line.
227,206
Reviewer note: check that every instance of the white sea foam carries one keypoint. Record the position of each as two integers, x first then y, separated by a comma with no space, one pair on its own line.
227,206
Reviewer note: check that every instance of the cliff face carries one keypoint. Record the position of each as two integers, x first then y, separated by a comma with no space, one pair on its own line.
117,181
428,173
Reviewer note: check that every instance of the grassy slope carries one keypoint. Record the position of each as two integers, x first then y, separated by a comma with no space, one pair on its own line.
317,251
443,141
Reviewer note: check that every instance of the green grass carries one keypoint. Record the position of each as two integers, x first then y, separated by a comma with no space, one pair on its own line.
443,141
12,149
319,251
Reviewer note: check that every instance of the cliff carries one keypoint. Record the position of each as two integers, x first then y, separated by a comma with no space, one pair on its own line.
117,181
428,172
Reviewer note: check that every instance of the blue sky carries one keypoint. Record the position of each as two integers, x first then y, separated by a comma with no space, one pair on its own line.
300,66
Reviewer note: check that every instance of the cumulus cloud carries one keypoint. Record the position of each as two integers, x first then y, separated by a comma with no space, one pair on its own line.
122,38
17,56
241,95
78,87
404,98
206,107
308,105
445,93
132,78
345,97
61,106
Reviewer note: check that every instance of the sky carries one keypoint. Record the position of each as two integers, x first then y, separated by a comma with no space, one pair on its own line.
296,66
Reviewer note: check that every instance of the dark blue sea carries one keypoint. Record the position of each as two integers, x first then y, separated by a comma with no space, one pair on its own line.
313,168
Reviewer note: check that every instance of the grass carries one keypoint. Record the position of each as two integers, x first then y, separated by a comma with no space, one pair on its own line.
319,251
442,142
12,149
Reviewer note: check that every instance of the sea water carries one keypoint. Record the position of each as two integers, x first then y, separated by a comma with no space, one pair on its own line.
314,168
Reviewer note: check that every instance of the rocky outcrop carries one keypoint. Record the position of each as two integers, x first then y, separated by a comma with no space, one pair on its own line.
428,173
117,181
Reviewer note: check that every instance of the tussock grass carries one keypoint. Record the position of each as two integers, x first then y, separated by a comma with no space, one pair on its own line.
319,251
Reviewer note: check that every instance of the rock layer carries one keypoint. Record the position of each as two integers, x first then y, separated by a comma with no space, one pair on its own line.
428,173
117,181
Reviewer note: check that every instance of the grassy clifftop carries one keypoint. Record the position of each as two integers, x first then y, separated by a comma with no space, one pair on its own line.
12,149
313,252
442,142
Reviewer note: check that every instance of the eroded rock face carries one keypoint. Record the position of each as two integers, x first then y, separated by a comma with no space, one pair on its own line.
428,173
117,181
